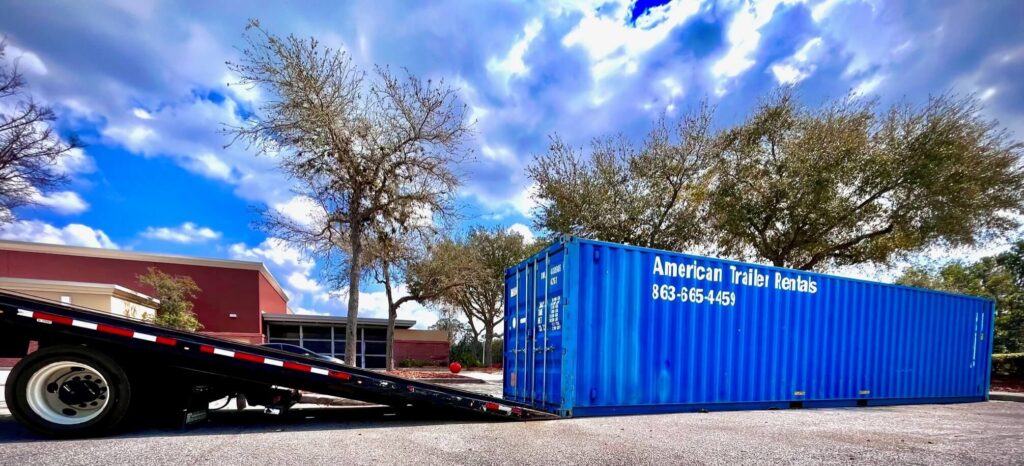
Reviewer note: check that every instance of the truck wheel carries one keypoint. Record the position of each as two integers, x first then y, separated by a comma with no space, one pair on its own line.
68,391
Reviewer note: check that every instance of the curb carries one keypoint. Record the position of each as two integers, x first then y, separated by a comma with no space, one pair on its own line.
1006,396
451,381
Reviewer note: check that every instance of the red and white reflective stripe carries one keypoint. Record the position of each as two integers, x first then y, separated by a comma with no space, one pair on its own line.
274,362
128,333
497,407
102,328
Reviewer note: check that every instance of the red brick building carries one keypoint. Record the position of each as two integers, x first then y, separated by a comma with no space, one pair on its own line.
240,300
234,297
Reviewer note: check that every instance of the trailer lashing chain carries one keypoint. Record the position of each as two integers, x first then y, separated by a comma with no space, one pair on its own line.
484,406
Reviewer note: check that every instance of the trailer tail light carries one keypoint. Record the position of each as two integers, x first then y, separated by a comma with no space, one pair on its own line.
497,407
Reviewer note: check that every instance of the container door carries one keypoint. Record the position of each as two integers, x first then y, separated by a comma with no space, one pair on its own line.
533,329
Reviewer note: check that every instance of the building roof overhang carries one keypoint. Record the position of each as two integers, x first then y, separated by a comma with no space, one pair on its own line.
334,320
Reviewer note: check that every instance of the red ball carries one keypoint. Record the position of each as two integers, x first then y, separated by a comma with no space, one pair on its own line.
455,367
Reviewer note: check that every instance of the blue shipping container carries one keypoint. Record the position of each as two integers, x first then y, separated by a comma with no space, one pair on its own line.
596,328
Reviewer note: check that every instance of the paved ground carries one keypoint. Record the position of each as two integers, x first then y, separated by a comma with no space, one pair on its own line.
978,433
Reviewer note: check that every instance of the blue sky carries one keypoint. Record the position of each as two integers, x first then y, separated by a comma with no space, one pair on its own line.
144,85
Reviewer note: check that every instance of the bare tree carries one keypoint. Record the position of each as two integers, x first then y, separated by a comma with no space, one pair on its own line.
29,147
366,152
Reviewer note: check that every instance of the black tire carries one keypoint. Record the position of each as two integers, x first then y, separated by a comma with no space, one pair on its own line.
116,391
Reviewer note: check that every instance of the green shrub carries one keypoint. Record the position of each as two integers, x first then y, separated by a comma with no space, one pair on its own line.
1009,365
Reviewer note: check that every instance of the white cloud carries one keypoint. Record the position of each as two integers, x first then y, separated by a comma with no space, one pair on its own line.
523,231
61,202
26,61
74,234
247,93
301,209
607,36
299,281
75,161
134,137
277,251
187,233
141,114
801,65
210,166
868,85
525,201
614,46
498,153
673,86
821,10
512,65
188,131
307,312
286,263
375,304
744,36
521,203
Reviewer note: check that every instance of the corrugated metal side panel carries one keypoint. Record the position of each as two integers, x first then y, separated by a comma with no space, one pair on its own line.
534,330
648,341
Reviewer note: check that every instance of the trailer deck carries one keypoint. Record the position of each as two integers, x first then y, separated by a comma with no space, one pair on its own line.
24,318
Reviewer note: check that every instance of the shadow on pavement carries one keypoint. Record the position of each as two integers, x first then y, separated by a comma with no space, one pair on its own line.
255,421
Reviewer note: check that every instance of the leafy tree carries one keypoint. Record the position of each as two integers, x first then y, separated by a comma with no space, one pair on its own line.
175,294
367,153
30,149
450,323
1010,323
844,184
989,277
487,253
650,195
796,186
428,271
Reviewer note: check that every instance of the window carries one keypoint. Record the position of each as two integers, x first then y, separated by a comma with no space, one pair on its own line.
317,346
375,348
285,340
375,334
284,331
375,362
316,333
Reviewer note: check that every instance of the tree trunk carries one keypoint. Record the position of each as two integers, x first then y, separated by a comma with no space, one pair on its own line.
488,340
354,273
389,346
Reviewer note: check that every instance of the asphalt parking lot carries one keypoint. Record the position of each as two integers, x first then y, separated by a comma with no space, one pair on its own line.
977,433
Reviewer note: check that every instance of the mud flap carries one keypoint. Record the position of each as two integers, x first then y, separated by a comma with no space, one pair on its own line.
197,407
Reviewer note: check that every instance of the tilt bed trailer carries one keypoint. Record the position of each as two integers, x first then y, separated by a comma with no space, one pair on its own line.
94,370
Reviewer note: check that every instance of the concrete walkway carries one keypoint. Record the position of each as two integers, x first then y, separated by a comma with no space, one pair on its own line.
485,376
1006,396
